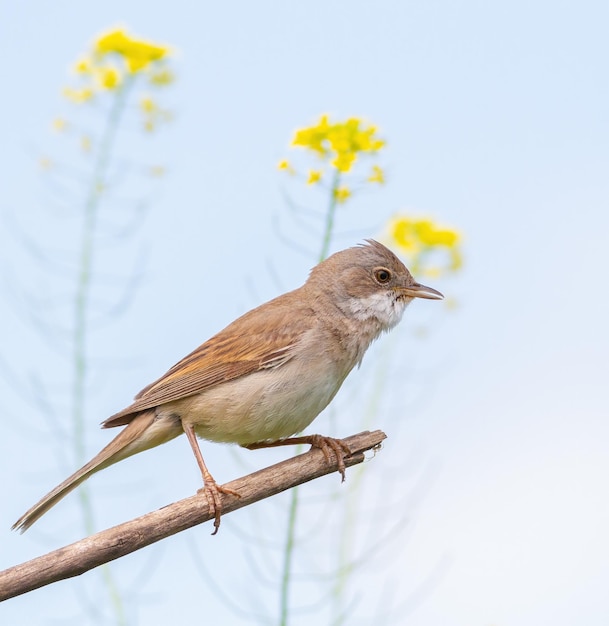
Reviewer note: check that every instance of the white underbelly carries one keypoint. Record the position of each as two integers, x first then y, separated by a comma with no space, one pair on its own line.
266,405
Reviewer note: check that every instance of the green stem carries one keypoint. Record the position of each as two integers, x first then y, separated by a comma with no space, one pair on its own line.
81,306
290,540
329,226
345,566
288,557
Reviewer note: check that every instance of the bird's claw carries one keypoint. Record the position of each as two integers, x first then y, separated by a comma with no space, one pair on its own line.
330,444
212,492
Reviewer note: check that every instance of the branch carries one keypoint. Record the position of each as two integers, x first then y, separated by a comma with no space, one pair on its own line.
123,539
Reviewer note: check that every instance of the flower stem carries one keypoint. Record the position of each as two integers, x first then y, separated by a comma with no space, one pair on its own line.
329,226
290,540
81,311
288,557
345,567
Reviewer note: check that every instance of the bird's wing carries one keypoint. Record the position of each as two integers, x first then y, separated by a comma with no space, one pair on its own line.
261,339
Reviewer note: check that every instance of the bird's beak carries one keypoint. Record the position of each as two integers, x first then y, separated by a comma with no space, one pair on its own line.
421,291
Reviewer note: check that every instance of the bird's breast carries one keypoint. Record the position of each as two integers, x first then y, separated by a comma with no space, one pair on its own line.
268,404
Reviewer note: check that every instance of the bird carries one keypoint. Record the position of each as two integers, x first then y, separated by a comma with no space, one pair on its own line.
266,376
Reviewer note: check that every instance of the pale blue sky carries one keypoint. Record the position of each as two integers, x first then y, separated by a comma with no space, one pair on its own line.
496,116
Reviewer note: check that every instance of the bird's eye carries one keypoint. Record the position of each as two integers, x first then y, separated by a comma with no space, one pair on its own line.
382,275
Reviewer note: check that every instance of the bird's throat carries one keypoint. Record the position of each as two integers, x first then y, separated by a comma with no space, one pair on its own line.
382,310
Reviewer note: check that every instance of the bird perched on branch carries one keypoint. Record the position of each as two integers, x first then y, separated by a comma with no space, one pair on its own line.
269,374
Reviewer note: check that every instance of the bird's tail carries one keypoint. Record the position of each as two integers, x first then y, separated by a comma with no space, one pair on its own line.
143,432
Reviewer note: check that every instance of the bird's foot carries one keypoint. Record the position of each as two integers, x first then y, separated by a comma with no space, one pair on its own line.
330,445
327,445
212,492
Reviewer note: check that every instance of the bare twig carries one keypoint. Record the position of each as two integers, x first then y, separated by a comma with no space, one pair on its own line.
118,541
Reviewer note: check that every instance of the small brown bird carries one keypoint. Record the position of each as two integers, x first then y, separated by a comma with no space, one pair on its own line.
267,375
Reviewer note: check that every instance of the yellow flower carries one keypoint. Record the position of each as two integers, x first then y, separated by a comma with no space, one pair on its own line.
108,77
408,231
342,194
45,163
313,137
340,142
148,105
83,65
285,165
425,243
78,96
59,124
430,235
344,161
161,78
314,177
377,176
153,113
85,143
138,54
402,233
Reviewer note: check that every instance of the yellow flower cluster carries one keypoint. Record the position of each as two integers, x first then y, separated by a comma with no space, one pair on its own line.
153,113
342,194
421,239
284,164
116,56
314,177
338,145
377,176
341,141
137,54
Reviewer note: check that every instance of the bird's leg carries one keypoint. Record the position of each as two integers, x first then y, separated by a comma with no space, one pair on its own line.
211,489
325,444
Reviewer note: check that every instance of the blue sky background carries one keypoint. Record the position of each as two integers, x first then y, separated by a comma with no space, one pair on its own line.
496,121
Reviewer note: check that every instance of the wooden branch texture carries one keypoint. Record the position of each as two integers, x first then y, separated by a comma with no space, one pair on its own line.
110,544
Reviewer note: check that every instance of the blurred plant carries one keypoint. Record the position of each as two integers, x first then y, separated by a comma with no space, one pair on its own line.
343,151
105,82
430,249
109,71
115,61
338,148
